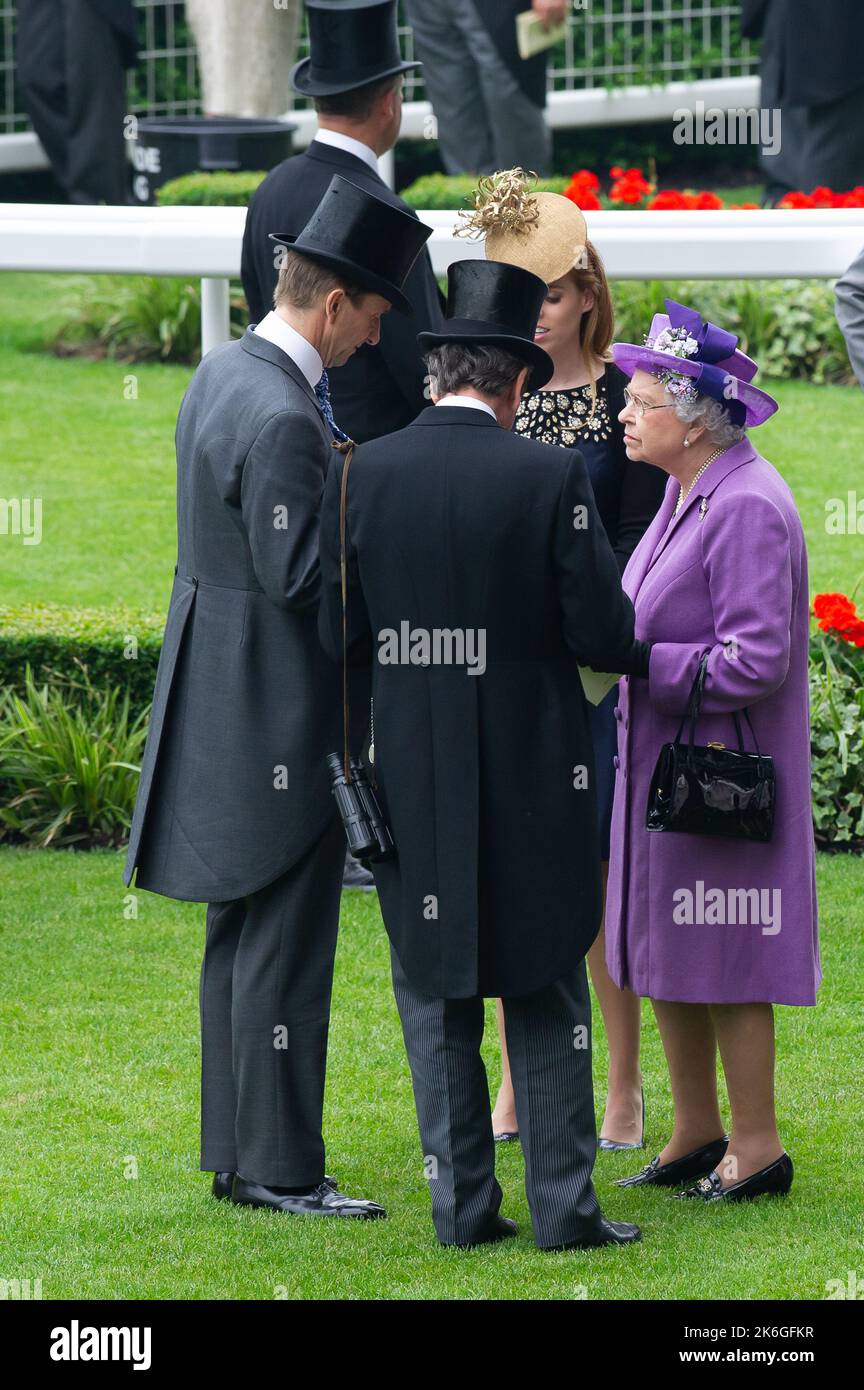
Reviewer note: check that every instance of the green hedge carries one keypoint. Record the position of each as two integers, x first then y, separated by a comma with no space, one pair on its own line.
116,648
217,190
441,192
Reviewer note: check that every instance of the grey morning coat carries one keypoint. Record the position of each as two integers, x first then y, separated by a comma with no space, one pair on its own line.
234,786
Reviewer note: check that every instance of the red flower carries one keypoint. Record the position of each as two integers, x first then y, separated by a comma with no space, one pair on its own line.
587,179
796,200
837,614
667,200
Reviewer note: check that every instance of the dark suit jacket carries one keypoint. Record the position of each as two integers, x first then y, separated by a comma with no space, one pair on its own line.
499,17
243,688
819,56
122,17
381,388
455,523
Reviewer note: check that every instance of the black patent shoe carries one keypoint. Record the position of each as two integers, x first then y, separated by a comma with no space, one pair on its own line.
323,1200
607,1233
691,1165
501,1228
774,1181
222,1183
614,1145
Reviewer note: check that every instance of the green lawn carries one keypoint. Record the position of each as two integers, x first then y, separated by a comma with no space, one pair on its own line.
104,465
99,1117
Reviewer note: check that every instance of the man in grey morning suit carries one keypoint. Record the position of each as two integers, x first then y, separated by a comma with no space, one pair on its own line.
459,528
234,806
850,313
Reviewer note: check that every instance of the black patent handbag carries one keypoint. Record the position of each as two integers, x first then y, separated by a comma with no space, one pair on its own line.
712,790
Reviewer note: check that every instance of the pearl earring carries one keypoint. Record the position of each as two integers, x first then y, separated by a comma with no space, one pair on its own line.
686,443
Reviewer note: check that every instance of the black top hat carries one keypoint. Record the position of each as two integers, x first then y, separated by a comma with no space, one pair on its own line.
495,303
351,43
374,243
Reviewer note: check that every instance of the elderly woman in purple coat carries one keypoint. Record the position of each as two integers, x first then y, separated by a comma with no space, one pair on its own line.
722,571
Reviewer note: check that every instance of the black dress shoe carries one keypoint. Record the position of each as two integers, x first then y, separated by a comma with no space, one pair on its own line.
775,1180
607,1233
323,1200
506,1136
222,1183
614,1145
672,1174
356,875
500,1228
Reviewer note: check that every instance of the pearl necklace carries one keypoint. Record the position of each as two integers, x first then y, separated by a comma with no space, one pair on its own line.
682,495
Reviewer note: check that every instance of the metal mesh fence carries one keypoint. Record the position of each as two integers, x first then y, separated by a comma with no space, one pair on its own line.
610,43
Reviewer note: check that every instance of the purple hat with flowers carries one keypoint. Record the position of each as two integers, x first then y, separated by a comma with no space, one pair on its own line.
693,357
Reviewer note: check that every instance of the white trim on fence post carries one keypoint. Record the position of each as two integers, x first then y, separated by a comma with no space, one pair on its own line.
215,312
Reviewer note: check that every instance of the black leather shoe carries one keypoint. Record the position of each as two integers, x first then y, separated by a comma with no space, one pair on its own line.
506,1136
607,1233
775,1180
614,1145
222,1183
356,875
323,1200
500,1229
672,1174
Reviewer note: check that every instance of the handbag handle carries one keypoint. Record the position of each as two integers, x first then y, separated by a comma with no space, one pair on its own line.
694,709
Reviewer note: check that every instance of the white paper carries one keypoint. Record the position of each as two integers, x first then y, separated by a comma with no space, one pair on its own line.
533,37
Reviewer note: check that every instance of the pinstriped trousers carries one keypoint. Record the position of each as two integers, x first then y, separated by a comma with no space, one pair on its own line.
549,1044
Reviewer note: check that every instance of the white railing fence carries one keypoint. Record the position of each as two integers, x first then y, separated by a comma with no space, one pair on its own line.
205,244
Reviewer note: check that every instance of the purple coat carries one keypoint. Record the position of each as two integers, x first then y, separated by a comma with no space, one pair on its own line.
689,917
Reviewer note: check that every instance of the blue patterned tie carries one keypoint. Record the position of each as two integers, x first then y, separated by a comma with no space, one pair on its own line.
322,391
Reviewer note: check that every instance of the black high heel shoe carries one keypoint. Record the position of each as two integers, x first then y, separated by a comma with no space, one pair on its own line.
679,1170
774,1181
613,1145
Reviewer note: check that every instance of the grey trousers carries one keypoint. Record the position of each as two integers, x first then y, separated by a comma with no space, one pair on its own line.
73,84
549,1044
265,987
485,120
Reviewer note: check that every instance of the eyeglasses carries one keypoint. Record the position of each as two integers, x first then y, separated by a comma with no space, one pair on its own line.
642,406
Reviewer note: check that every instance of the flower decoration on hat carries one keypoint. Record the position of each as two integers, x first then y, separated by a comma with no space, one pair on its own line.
679,343
502,202
539,231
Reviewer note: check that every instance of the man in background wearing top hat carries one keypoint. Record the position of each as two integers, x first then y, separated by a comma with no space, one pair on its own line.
478,576
354,76
234,806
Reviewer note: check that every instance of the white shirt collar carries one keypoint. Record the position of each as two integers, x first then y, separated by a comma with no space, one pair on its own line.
275,329
350,145
470,401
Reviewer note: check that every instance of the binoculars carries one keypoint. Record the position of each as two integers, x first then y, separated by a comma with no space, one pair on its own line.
365,828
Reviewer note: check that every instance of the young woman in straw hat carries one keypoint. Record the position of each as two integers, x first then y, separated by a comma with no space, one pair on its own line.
578,409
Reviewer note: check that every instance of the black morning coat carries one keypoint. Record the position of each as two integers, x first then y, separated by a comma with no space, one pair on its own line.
234,782
381,389
455,523
821,55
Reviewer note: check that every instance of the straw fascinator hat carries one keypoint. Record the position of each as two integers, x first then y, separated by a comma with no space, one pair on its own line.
541,232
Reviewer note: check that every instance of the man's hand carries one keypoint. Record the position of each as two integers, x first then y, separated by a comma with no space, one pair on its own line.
550,12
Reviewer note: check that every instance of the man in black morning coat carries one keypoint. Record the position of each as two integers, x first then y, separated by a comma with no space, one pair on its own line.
812,70
355,77
479,575
234,807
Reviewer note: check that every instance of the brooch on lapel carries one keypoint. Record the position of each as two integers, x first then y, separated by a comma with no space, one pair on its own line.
703,508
